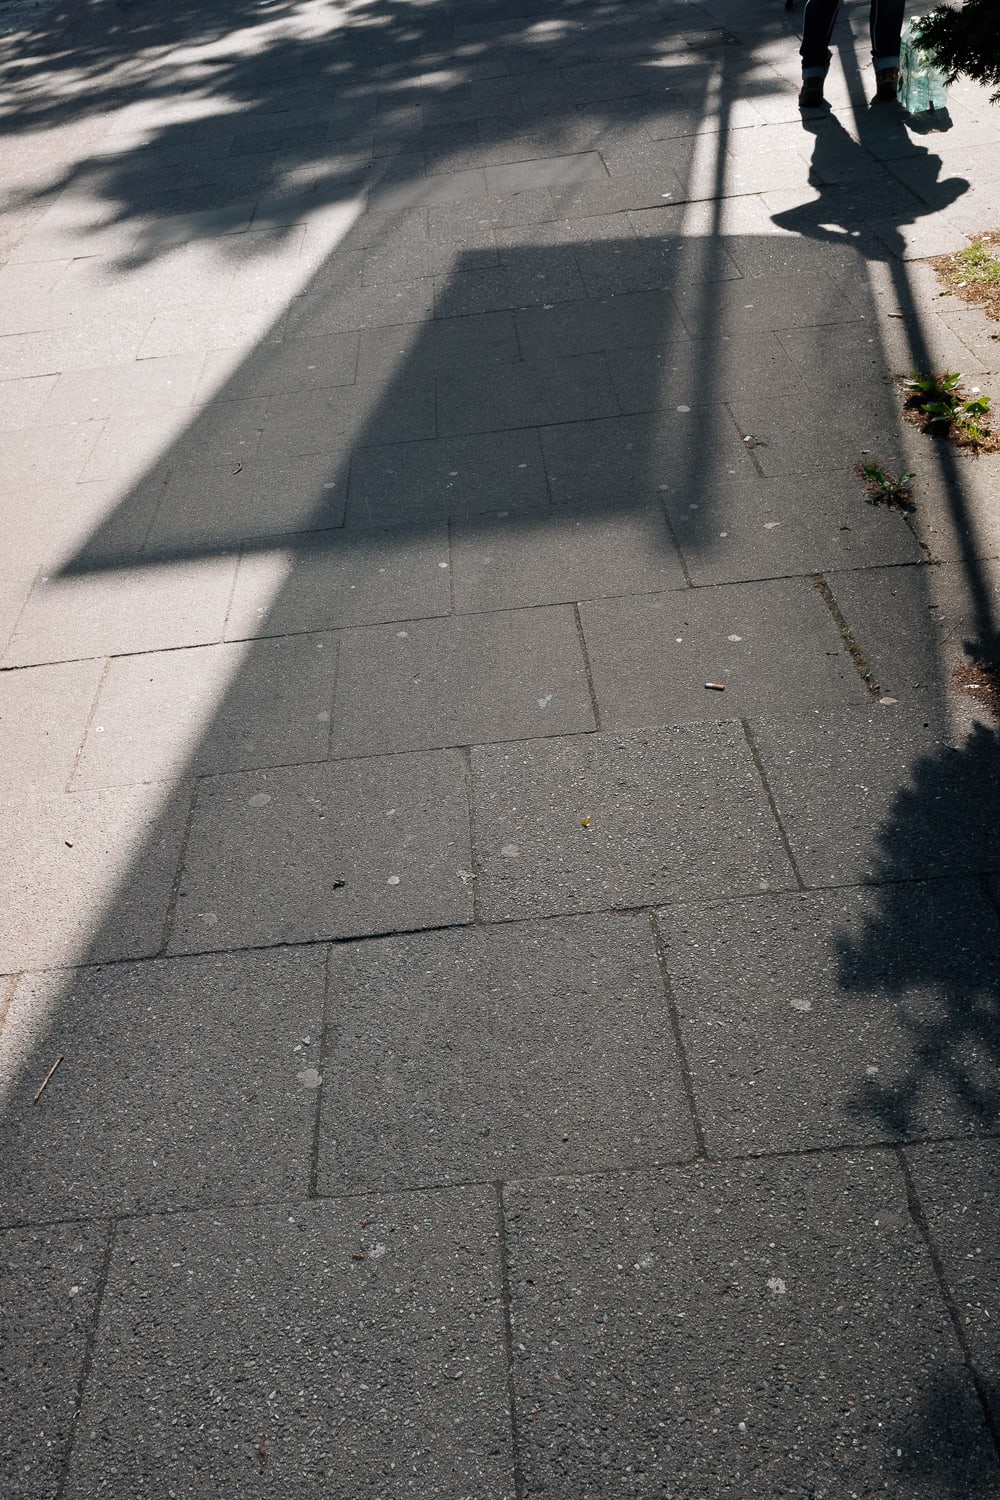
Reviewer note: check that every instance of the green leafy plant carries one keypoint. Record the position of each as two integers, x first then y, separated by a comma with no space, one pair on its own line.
882,488
941,400
965,41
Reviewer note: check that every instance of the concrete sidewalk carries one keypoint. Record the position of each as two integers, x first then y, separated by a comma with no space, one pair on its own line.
496,845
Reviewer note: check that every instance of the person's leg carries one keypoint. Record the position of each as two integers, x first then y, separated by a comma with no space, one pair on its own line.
886,20
818,18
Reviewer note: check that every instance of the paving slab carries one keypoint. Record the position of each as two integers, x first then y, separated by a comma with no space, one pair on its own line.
624,461
322,421
487,1053
566,556
415,351
218,708
968,335
461,476
854,364
616,269
958,1186
51,1277
956,518
665,162
127,609
407,262
765,304
838,1018
329,579
563,825
527,394
379,1365
310,852
22,401
320,313
469,679
298,365
761,1328
512,241
636,320
43,719
539,279
79,346
480,215
197,330
800,435
433,188
38,460
703,373
210,223
143,387
882,793
342,271
622,192
71,885
212,1059
221,438
773,528
548,172
918,627
766,644
774,251
266,497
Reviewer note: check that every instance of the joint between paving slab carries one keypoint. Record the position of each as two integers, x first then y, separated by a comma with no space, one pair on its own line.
923,1228
175,885
470,802
586,666
673,1014
508,1340
377,935
333,699
455,1184
20,611
750,444
168,474
312,1190
772,804
668,526
222,637
450,544
851,646
91,715
88,1359
8,989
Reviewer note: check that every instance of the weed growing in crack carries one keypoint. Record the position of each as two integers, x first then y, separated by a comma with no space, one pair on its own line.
882,488
942,402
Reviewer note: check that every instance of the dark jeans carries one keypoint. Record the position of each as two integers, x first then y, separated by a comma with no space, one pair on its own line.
886,22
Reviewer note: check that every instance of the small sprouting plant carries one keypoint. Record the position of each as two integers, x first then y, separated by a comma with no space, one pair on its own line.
942,401
882,488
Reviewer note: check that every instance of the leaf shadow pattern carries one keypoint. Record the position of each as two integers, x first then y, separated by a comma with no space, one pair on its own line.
939,961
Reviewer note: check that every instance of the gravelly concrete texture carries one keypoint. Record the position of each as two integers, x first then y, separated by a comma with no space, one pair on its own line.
574,1007
499,882
728,1328
391,1325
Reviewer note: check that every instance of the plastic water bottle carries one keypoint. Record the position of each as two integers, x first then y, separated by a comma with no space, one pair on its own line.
922,83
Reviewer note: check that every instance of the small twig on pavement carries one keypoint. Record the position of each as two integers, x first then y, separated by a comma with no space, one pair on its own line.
41,1087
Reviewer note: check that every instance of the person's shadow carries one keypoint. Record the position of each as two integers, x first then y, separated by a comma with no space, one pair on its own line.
855,205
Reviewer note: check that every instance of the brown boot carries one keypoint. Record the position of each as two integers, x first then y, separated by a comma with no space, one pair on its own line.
886,83
811,93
